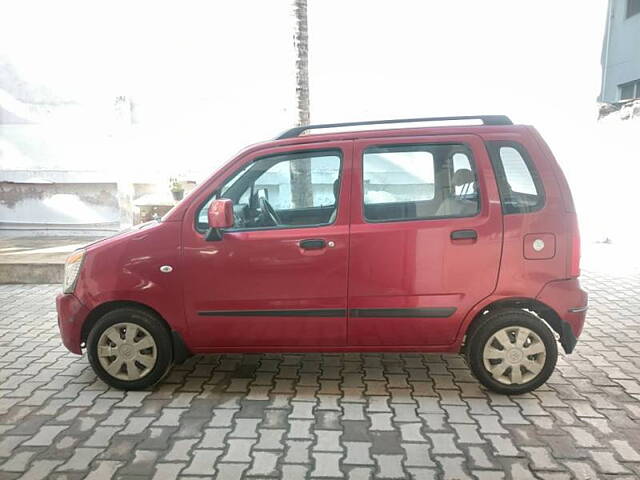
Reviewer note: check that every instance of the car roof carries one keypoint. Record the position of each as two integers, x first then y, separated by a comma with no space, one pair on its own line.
484,119
400,128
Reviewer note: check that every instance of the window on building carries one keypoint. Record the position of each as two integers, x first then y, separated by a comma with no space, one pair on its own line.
630,90
633,7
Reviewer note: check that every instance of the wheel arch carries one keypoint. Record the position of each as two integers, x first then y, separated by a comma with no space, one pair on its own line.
180,350
540,309
107,307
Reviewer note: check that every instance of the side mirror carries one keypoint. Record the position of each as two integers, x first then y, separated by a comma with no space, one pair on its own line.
219,216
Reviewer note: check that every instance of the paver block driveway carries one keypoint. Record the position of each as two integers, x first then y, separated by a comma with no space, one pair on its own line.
320,415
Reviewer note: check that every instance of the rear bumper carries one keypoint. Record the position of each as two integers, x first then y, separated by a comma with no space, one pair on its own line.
569,302
71,317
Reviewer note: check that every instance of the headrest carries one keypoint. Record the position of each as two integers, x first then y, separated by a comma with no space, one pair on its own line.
462,177
336,188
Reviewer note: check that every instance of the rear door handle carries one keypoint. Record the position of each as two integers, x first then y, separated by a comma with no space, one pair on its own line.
464,235
312,244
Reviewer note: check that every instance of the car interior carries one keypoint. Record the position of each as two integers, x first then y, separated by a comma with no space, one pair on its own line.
455,195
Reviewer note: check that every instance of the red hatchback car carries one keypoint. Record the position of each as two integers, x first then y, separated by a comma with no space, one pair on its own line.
434,239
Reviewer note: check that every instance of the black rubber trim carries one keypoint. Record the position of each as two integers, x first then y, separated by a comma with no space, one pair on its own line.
274,313
312,244
464,235
567,339
433,312
180,350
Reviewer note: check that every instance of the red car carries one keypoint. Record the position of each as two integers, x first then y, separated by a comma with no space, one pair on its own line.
459,239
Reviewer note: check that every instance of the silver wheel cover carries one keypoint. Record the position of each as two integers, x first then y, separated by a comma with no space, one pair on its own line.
127,351
514,355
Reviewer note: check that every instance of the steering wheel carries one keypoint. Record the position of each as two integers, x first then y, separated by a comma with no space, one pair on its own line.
269,211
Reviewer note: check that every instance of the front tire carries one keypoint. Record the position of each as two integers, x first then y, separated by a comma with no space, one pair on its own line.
512,352
130,349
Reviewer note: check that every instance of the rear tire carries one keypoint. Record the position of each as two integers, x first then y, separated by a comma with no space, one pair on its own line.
130,349
512,351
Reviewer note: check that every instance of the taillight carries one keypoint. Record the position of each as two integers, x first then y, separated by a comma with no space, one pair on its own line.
574,266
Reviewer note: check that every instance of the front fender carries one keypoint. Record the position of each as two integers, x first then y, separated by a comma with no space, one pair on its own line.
127,269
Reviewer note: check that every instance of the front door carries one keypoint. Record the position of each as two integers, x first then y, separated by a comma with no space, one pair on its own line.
279,276
426,238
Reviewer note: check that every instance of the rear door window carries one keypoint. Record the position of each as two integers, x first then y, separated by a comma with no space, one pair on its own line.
418,182
518,181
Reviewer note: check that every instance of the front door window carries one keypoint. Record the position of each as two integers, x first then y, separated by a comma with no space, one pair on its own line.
281,191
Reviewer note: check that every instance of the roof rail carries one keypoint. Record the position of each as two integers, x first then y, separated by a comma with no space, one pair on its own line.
486,120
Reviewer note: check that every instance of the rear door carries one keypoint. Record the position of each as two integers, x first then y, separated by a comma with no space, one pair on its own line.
426,237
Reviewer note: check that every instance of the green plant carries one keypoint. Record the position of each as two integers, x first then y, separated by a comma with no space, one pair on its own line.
175,185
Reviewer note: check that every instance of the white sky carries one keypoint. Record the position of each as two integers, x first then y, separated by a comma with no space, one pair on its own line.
368,58
211,77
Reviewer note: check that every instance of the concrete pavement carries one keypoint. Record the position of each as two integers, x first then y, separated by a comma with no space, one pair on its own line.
303,416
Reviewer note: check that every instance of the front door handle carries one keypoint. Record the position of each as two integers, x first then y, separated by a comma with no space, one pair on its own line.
464,235
312,244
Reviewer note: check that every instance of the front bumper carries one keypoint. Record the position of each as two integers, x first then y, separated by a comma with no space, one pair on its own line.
569,302
71,317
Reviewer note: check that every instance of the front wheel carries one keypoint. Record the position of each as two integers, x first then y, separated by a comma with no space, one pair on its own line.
512,352
129,349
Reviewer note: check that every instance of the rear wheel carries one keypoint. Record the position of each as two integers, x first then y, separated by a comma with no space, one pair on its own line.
512,352
129,349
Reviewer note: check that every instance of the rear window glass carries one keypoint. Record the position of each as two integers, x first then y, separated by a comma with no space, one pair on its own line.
518,181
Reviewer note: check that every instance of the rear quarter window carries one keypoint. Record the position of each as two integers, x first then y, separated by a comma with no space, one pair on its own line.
518,181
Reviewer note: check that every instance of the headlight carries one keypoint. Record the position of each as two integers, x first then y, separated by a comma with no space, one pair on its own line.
71,270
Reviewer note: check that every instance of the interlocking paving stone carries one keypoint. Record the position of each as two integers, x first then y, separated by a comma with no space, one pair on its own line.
231,471
478,457
202,462
41,469
503,446
300,429
18,462
104,469
167,471
411,432
297,451
443,443
417,455
45,436
453,468
270,439
142,463
541,459
180,450
467,434
583,437
581,470
389,466
328,441
81,459
264,463
358,453
355,415
625,451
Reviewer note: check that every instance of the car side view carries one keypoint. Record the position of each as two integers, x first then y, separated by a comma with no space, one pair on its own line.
458,238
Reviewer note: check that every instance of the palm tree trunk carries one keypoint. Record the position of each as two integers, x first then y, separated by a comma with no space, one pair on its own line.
300,170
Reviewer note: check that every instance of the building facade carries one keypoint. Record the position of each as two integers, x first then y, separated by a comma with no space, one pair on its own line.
621,53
